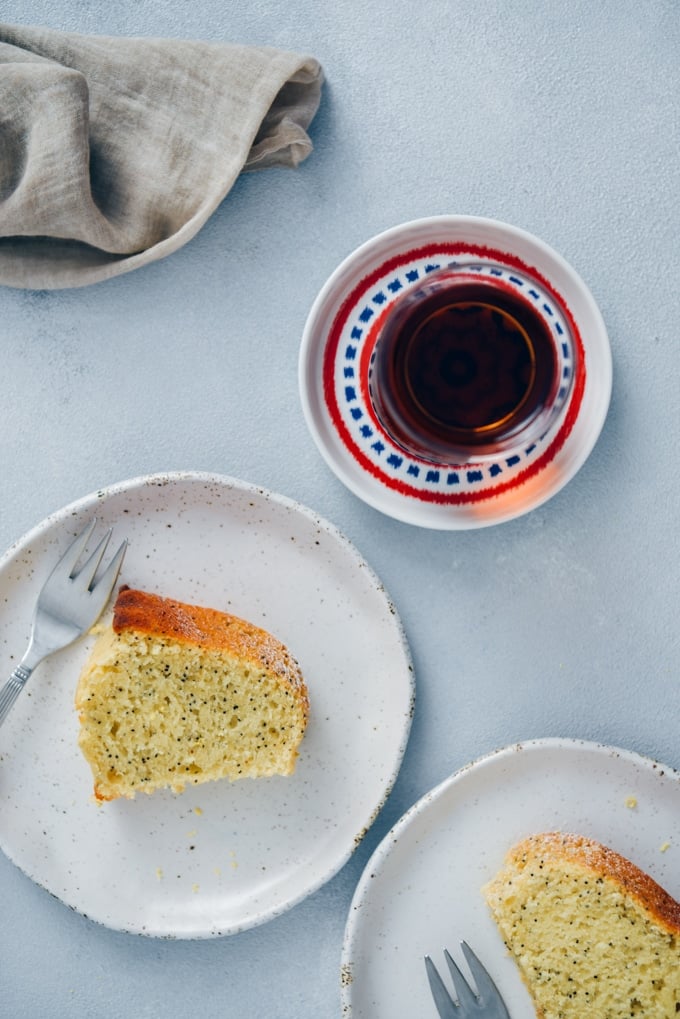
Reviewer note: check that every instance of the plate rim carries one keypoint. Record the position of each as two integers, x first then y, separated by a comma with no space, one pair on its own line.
387,844
259,915
331,297
170,477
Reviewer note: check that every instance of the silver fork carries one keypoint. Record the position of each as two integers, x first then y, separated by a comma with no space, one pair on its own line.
70,602
486,1004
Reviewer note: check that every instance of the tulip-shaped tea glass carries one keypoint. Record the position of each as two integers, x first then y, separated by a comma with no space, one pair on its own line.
473,363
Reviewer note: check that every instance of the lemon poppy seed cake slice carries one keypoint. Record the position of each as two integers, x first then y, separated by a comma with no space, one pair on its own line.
594,937
175,694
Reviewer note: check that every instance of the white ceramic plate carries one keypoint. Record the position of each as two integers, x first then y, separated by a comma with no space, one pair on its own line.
420,891
335,358
221,857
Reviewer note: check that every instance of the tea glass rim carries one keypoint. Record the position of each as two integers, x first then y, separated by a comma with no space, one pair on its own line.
528,290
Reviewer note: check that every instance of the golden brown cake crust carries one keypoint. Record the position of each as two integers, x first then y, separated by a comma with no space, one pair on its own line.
605,862
207,628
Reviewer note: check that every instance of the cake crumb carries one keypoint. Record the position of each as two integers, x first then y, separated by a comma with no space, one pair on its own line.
195,889
190,834
198,810
159,873
631,802
664,846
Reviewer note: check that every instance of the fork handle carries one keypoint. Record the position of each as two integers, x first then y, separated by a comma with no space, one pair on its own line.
12,689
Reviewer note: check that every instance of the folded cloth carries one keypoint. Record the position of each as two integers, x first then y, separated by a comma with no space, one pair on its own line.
114,152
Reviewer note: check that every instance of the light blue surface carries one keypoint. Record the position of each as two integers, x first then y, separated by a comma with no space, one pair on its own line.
559,118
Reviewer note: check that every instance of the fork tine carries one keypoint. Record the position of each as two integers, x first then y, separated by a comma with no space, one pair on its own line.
442,999
466,996
486,988
110,574
69,560
91,565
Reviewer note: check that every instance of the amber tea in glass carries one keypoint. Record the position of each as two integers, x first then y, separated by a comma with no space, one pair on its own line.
465,368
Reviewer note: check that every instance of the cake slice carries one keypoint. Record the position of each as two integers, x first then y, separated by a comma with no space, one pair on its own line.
594,937
176,694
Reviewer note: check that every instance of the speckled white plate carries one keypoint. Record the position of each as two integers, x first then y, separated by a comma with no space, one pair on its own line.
335,361
221,857
420,891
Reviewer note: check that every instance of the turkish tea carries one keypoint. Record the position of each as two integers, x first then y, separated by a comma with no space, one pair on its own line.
462,369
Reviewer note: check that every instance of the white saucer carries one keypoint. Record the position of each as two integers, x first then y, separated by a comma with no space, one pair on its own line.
340,333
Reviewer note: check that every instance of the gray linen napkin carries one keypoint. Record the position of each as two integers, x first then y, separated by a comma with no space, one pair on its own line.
114,152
